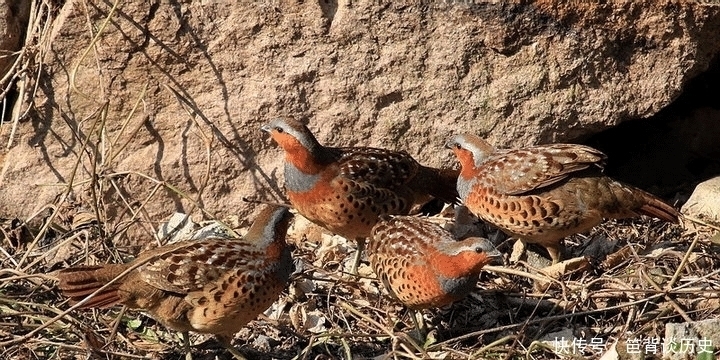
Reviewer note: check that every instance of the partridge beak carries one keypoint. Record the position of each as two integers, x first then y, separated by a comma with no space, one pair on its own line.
449,144
496,257
265,128
491,252
494,254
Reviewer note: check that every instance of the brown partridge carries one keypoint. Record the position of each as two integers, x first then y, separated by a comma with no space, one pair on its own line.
544,193
345,189
214,285
422,265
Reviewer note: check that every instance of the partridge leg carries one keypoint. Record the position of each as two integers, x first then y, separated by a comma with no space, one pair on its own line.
186,345
358,255
554,251
520,247
225,342
419,323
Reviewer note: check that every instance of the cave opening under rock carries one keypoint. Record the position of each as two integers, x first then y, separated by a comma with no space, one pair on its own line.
671,152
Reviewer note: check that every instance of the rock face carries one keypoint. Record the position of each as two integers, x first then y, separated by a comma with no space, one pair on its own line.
363,72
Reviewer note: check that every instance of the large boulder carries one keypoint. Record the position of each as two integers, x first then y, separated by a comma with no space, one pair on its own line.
174,93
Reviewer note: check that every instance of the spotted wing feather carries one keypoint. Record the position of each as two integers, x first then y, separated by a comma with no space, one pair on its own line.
378,167
392,250
244,282
515,172
192,265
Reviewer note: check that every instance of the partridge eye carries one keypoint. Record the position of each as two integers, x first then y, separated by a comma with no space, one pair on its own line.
279,129
479,250
457,146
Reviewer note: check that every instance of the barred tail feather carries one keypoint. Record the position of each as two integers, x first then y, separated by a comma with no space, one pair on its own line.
659,209
79,282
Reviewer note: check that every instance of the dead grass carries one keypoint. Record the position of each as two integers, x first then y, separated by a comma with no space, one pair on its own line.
667,276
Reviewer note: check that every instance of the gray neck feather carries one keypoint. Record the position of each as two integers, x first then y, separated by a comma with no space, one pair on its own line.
464,186
298,181
458,287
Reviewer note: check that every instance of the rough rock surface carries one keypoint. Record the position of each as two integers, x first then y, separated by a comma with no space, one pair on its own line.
363,72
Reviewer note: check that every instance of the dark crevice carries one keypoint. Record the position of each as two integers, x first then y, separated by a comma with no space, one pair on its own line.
329,8
388,99
18,17
8,103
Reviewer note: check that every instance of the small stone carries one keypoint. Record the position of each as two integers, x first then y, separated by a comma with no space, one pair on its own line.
263,343
178,228
693,340
704,202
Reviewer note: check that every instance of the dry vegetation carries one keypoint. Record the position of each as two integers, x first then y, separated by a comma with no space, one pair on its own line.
655,274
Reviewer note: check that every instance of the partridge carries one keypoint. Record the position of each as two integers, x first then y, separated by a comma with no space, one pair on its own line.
213,285
544,193
345,190
421,265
